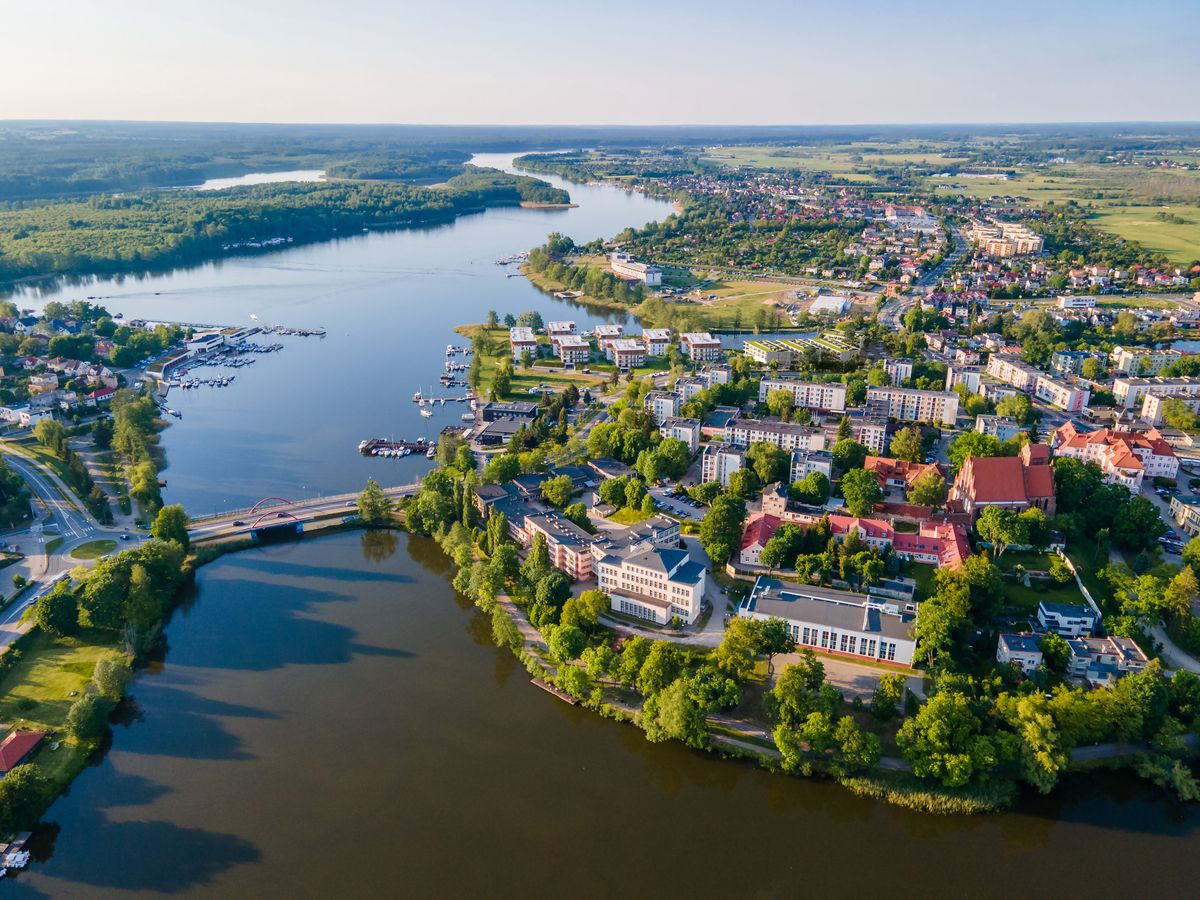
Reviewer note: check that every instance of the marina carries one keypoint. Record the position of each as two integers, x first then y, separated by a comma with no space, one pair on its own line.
396,449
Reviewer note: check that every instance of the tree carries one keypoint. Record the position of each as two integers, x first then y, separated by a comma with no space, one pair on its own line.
781,402
844,432
24,793
848,454
721,530
577,513
801,690
769,462
648,505
972,443
1179,415
51,434
861,490
907,444
87,717
171,524
660,668
744,483
1000,527
565,642
1055,652
675,713
374,506
885,702
1059,570
773,637
537,563
857,751
558,490
928,489
812,490
111,678
1139,526
735,654
575,681
1040,749
944,741
1018,407
57,612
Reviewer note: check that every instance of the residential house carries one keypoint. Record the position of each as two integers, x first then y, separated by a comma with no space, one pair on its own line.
719,461
1125,457
1023,649
686,430
700,346
1067,619
759,529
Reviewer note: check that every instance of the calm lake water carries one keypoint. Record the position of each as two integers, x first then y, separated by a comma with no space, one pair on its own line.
330,720
217,184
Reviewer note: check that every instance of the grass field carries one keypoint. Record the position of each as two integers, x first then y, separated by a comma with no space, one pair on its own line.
854,162
36,693
628,516
1124,201
93,549
522,379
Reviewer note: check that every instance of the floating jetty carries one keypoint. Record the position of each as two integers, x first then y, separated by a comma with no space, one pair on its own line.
551,689
381,447
521,257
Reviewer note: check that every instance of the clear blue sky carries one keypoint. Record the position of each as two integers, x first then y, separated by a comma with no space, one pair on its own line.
484,61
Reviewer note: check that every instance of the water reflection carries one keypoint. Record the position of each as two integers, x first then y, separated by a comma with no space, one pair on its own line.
378,544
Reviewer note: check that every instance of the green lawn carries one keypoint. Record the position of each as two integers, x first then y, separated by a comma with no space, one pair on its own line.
93,549
628,516
36,692
1028,598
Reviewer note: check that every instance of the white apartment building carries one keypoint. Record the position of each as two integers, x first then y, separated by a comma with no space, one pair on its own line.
1128,392
968,375
627,353
663,405
898,370
785,435
686,430
1012,370
573,350
829,396
521,339
1000,427
911,405
624,266
1064,395
1083,301
1153,405
719,461
690,387
656,341
700,346
654,583
872,433
712,375
555,330
805,462
1141,360
1004,239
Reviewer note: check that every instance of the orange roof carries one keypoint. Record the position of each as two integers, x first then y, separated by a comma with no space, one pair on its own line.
17,746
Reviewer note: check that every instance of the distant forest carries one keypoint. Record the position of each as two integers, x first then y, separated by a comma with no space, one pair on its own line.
45,159
132,232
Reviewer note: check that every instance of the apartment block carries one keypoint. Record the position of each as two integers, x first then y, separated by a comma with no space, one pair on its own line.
828,396
911,405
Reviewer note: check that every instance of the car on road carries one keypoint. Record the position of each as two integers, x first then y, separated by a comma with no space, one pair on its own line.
281,515
239,523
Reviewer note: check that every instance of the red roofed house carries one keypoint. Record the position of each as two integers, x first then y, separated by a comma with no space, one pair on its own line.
897,473
1123,456
17,748
759,530
1016,482
939,543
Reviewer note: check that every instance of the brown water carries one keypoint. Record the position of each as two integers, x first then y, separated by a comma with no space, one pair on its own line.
330,720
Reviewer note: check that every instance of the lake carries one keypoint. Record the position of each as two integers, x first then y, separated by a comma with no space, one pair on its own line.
219,184
328,718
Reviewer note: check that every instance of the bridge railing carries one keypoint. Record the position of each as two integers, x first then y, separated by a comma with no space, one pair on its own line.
317,500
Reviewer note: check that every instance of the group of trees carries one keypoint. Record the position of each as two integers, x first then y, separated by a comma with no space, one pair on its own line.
552,261
814,553
51,434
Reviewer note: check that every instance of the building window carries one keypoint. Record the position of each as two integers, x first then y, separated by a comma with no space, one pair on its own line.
824,640
852,643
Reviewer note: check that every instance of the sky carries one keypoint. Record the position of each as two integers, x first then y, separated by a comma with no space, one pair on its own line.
611,62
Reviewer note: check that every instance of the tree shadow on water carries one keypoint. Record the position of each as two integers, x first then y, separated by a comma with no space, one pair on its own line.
142,855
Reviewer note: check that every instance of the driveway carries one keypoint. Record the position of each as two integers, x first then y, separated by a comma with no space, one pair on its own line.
851,678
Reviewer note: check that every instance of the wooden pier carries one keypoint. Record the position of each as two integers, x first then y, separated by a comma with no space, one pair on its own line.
551,689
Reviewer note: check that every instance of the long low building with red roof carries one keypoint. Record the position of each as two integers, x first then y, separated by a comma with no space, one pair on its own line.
17,748
937,543
898,473
1125,457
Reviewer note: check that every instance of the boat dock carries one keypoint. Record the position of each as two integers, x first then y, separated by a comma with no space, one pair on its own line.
551,689
381,447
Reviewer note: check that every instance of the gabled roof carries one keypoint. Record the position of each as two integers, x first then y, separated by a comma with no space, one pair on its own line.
760,529
17,746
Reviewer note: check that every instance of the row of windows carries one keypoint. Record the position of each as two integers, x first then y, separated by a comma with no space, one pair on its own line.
635,609
843,643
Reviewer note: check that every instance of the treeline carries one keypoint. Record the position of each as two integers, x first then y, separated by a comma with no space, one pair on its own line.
133,232
550,260
14,497
135,440
492,187
53,436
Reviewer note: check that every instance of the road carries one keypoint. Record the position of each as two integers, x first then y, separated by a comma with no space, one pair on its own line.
243,520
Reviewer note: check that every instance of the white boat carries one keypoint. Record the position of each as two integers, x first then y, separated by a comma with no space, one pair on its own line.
416,397
431,453
468,417
427,413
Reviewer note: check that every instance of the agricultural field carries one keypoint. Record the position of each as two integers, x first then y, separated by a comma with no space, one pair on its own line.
854,162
